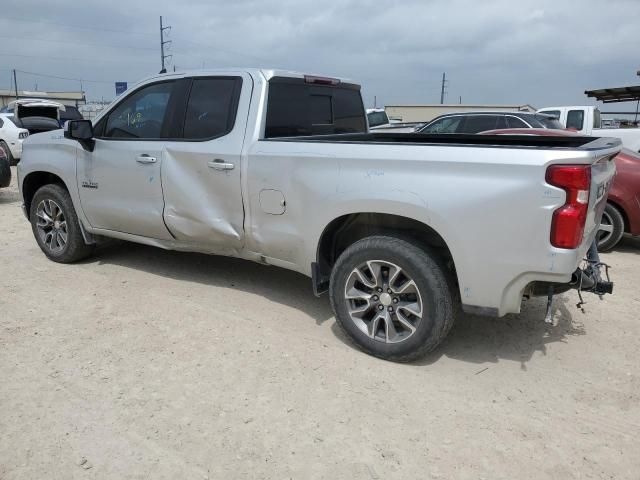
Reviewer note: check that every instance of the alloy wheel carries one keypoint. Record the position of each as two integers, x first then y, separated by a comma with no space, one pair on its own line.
383,301
51,225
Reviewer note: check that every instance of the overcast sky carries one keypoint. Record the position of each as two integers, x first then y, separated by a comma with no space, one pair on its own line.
493,51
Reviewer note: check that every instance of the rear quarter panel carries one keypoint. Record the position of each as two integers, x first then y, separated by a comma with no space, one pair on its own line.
491,205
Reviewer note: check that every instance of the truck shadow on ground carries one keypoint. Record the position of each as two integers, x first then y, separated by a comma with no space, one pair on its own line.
9,195
517,338
628,244
472,339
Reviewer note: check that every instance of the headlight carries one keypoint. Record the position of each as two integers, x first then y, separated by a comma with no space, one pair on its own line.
23,134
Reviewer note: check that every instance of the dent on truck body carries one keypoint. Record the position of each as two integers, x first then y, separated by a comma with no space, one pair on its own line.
193,211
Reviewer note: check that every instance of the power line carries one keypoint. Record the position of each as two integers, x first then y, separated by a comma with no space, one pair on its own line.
128,47
63,78
81,27
163,42
231,52
444,86
90,60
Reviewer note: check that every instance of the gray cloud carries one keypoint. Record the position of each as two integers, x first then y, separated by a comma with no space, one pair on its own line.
540,52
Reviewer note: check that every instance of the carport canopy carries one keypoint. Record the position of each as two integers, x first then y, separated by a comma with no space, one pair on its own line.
618,94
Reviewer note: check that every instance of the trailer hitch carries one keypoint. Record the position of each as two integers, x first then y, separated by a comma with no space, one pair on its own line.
587,278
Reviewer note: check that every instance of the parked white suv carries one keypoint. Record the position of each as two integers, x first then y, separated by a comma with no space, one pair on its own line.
11,137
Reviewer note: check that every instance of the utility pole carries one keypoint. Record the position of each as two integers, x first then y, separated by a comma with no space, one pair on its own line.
375,101
15,83
163,42
442,91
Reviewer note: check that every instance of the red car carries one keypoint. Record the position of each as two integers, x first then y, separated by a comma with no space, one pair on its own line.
622,213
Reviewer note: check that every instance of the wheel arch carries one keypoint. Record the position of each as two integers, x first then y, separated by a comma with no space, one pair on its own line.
33,181
346,229
618,206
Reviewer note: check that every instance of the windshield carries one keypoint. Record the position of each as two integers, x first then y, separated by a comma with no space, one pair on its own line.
10,118
548,122
443,125
377,118
70,113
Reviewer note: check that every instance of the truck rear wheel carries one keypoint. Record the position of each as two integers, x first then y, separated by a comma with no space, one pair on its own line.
55,225
392,298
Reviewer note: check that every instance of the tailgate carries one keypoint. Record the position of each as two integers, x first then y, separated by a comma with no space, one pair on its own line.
603,171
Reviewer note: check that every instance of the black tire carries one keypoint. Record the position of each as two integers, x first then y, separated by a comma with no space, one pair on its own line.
434,285
75,248
5,147
5,173
608,240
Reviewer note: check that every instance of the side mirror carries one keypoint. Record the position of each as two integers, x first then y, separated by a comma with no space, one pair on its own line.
82,131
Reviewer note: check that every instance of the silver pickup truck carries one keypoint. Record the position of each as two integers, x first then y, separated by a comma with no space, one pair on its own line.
280,168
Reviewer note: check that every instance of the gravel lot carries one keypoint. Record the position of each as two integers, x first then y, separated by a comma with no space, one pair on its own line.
142,363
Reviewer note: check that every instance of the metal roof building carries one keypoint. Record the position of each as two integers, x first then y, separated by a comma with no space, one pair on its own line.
617,94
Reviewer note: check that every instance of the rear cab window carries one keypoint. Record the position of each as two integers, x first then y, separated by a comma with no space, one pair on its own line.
377,118
296,107
575,119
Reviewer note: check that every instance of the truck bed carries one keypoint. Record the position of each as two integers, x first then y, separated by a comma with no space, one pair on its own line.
454,139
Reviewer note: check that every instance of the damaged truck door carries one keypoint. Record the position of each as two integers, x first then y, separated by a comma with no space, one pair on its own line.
202,162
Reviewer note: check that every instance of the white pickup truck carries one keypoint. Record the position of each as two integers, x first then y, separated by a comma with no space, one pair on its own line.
586,120
279,168
379,121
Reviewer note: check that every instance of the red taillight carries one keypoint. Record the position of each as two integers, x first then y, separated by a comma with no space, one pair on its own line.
567,225
321,80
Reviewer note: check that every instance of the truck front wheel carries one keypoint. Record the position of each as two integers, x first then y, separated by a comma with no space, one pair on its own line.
55,225
392,297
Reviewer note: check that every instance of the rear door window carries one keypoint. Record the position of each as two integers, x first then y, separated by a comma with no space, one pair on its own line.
295,108
478,123
211,108
575,119
515,122
444,125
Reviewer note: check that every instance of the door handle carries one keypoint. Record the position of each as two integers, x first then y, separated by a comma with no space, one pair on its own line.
218,164
144,158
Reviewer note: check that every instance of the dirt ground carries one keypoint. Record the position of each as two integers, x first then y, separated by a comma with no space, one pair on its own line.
141,363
